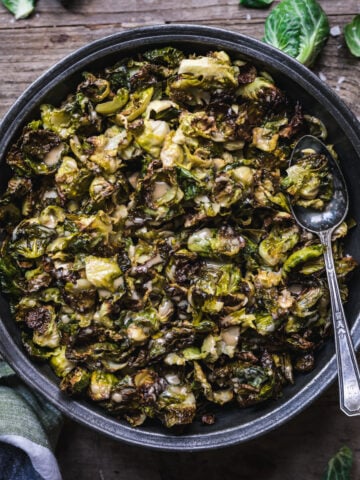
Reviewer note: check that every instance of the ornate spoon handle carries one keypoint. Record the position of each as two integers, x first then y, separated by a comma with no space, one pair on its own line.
348,370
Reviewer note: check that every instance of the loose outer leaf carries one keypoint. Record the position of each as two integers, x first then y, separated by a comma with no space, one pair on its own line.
20,8
339,466
299,28
256,3
352,36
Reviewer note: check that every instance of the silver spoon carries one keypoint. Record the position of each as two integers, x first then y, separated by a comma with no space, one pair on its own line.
323,223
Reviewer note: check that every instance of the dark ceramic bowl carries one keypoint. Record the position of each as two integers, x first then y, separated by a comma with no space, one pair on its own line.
233,425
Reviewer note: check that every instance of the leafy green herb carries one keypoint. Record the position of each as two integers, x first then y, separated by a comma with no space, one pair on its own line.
339,466
352,36
299,28
256,3
20,8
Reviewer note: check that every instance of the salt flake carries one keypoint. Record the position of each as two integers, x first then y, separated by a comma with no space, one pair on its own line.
335,31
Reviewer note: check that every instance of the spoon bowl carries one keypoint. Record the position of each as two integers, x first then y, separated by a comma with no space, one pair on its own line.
336,209
323,223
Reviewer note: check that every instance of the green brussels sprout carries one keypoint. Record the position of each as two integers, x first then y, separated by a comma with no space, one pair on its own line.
167,56
258,89
95,88
51,216
37,279
30,239
58,120
265,139
200,124
75,382
209,348
37,153
177,405
301,256
213,242
152,137
307,300
33,350
136,106
71,180
106,148
200,75
215,71
309,182
141,325
60,364
10,275
284,364
102,272
101,385
171,153
45,329
273,249
101,188
220,396
112,106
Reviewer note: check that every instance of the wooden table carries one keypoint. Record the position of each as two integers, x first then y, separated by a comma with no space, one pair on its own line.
297,450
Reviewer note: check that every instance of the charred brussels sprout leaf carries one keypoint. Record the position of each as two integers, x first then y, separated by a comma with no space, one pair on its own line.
76,381
168,56
300,28
147,245
38,153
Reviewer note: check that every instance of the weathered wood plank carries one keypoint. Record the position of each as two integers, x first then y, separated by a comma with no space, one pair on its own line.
149,11
29,53
298,450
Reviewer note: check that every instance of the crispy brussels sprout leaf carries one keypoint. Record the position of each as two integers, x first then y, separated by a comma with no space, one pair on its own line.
168,56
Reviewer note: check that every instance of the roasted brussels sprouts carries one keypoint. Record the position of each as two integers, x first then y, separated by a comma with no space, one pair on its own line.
148,250
309,181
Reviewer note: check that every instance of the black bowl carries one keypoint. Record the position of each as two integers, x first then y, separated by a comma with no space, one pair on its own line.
233,425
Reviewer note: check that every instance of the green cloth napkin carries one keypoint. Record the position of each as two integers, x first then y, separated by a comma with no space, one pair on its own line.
29,422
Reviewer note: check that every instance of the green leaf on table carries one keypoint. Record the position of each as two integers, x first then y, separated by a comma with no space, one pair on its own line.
352,35
20,8
339,466
299,28
256,3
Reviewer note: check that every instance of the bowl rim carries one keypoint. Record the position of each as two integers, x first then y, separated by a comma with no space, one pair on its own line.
219,38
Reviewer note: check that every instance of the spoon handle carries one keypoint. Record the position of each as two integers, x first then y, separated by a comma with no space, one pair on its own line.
348,370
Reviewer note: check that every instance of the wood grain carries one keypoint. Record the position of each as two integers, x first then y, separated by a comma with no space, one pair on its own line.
29,47
298,450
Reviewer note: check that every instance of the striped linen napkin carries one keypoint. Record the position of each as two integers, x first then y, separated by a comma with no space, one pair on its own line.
27,422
